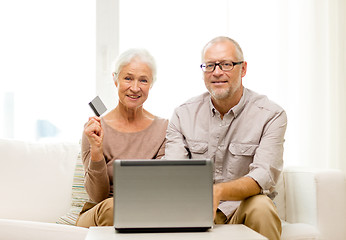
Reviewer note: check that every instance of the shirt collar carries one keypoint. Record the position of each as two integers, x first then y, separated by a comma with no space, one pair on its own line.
212,108
237,109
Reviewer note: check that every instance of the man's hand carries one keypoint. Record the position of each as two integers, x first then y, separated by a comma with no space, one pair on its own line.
217,189
235,190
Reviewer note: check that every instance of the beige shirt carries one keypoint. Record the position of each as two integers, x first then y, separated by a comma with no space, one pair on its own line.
248,141
146,144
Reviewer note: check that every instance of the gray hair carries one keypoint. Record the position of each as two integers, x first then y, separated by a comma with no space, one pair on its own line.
240,54
127,56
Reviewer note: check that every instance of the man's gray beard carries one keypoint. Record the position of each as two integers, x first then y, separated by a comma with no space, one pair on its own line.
221,94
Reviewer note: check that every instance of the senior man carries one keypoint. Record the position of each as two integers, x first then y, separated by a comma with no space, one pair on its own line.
241,131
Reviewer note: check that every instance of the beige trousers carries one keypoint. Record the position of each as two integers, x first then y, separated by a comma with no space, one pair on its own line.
100,214
258,213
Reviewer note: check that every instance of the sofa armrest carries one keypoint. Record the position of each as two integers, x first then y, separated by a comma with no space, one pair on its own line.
317,197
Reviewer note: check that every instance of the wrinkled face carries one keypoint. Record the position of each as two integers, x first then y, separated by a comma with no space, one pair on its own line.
134,82
223,84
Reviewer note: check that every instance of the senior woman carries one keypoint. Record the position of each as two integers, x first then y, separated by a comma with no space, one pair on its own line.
126,132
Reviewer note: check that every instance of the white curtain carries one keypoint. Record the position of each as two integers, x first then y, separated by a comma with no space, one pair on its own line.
296,55
311,69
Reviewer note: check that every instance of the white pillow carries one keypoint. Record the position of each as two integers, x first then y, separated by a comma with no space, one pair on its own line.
36,179
79,195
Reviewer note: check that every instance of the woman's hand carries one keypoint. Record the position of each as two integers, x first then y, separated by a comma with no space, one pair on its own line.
94,132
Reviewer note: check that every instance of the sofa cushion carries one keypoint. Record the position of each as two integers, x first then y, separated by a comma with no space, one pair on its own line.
79,195
36,179
299,231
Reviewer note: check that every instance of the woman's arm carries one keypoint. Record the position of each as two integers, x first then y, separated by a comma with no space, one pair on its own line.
96,179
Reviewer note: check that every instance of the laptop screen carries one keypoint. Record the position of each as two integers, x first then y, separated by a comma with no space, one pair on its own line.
163,194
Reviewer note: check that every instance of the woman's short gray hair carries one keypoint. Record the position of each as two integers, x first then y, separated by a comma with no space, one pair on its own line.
127,56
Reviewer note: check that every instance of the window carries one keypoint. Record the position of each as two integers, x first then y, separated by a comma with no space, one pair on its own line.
48,68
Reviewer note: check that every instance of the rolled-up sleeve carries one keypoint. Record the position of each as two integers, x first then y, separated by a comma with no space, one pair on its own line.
268,159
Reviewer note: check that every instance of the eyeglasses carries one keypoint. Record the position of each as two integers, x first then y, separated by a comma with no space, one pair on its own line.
224,66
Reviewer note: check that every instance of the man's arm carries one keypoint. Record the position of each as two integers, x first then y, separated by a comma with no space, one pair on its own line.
176,147
268,159
265,168
235,190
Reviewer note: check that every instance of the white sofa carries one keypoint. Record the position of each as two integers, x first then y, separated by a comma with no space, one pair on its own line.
312,204
38,189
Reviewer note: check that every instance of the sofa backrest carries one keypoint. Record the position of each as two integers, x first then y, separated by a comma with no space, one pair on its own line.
36,179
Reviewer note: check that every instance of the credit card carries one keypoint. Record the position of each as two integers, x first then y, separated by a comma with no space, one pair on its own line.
97,106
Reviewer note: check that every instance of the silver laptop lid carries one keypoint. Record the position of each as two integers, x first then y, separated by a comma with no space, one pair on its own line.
163,194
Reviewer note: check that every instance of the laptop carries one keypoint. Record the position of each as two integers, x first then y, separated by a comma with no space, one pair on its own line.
163,195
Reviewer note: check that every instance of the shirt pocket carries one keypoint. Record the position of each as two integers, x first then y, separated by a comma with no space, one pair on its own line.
197,149
242,149
241,157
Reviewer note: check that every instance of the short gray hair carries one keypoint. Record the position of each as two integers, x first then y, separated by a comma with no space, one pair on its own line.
127,56
221,39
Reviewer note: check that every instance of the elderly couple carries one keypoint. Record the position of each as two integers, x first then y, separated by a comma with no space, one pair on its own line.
240,130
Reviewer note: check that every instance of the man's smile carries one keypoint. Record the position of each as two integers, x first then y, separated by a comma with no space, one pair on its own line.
219,82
